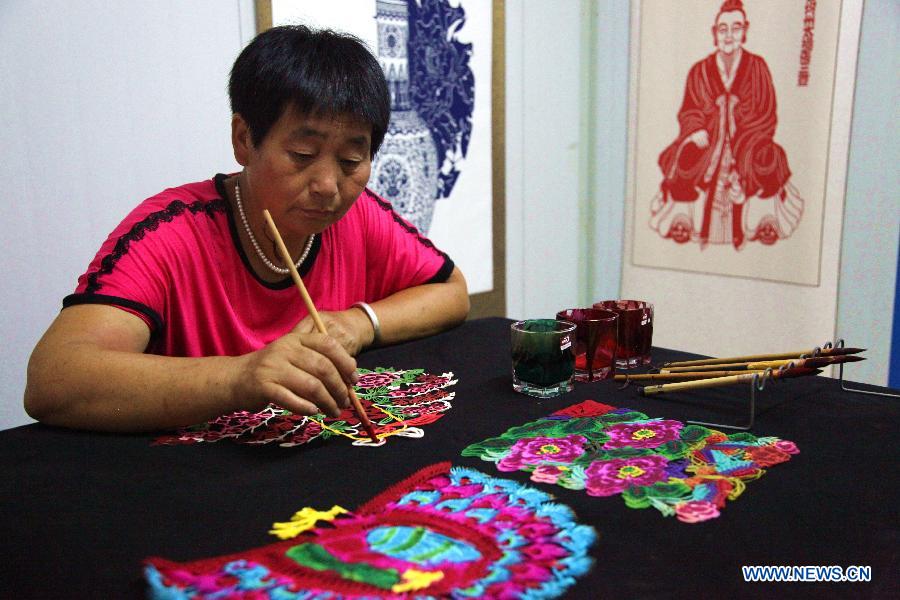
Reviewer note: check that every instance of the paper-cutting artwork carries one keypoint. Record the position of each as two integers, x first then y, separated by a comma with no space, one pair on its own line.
397,403
731,140
688,471
435,165
432,100
724,158
442,533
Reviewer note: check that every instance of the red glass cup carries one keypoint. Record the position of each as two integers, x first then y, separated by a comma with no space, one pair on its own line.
635,331
595,342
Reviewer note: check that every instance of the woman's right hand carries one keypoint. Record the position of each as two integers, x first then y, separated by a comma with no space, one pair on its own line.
305,373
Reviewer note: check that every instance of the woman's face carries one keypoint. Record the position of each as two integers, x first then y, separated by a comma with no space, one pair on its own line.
307,171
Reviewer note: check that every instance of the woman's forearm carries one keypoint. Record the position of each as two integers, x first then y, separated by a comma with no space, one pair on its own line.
90,371
83,386
423,310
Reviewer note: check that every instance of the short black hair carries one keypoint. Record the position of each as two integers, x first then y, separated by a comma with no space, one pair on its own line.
317,72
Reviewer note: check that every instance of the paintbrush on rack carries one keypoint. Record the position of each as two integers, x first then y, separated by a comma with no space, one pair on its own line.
766,357
682,386
681,375
816,362
320,326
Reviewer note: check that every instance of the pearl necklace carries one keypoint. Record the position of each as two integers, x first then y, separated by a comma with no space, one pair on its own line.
272,266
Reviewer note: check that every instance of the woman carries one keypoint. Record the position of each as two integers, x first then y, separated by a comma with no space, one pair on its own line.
186,313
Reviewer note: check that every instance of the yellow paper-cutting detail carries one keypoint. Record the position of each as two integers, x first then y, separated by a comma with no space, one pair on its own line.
304,520
356,437
416,580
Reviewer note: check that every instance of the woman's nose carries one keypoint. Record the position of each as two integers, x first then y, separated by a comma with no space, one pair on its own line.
323,180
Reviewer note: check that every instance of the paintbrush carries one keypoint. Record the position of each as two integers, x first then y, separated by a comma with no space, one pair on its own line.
320,326
682,375
765,357
817,362
682,386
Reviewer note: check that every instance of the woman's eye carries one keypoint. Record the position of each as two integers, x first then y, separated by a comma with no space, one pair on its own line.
350,162
302,155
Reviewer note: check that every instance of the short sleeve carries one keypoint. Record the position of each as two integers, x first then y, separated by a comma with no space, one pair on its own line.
134,266
398,255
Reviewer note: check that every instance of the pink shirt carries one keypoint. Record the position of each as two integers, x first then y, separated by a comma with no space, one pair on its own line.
176,262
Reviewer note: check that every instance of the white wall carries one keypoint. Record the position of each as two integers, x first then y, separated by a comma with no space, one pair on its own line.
872,214
544,145
104,104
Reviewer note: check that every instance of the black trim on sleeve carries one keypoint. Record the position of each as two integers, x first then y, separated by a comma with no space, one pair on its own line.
444,272
86,298
409,227
149,223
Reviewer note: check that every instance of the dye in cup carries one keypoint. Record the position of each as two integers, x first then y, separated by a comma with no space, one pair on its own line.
543,357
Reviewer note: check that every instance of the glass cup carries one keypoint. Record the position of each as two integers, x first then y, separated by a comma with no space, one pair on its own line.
635,331
543,357
595,341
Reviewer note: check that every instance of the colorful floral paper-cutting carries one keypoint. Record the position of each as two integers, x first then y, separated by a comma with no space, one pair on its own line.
396,401
442,533
689,471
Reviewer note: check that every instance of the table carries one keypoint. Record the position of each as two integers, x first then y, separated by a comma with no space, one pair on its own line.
81,510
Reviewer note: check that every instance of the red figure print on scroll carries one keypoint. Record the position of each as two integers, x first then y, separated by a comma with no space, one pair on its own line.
724,178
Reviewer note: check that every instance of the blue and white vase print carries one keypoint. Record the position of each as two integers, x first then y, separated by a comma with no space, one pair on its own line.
432,99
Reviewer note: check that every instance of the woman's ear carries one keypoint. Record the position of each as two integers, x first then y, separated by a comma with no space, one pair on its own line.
241,141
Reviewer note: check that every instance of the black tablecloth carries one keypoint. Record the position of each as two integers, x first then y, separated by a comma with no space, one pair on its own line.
80,511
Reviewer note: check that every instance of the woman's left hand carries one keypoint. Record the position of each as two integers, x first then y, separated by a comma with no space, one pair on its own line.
350,328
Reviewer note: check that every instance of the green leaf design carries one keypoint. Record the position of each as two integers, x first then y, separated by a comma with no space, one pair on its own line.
612,419
492,446
371,392
496,442
573,478
584,460
743,437
643,496
672,450
410,375
543,427
626,452
663,506
694,433
584,426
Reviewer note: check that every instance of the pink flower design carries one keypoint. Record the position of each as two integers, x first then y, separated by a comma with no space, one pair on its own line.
609,477
463,491
539,450
546,474
374,380
537,529
418,388
495,501
525,571
642,434
787,446
429,378
696,511
543,552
